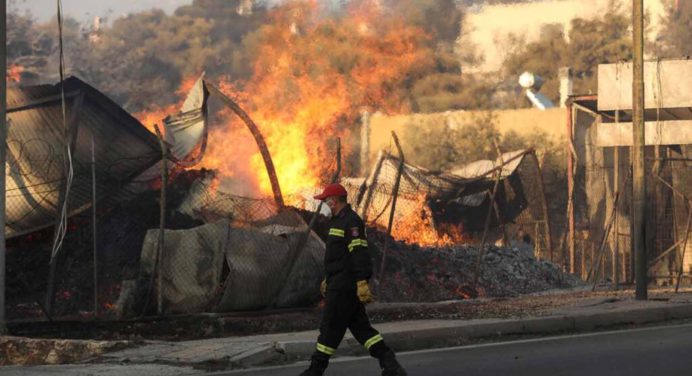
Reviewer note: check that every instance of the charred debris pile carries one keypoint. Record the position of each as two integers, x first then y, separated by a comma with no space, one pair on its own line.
413,272
416,273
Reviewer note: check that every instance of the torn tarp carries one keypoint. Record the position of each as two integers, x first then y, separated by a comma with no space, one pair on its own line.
127,155
223,268
186,131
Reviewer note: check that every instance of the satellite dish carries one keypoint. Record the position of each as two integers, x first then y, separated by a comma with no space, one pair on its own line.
532,83
528,80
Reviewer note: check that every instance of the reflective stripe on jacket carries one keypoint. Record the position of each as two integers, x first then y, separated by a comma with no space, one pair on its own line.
347,259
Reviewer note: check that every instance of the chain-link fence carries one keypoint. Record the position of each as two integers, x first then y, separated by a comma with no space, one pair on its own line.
247,256
32,213
220,252
451,208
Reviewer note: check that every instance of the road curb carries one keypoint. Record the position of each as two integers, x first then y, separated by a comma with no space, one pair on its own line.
460,332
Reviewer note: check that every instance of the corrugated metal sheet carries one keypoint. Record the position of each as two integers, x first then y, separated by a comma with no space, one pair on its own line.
36,143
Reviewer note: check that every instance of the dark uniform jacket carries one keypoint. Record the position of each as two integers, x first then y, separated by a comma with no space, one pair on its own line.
347,259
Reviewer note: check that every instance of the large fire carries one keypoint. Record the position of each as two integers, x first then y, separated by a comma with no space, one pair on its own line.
312,76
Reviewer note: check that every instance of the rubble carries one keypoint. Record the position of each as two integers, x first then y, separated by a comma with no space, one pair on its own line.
426,274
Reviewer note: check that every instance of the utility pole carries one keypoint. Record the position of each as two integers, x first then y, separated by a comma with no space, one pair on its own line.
3,143
639,177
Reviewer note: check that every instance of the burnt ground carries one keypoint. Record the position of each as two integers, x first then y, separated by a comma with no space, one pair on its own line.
415,273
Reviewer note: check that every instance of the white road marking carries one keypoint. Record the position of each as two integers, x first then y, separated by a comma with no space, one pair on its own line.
344,359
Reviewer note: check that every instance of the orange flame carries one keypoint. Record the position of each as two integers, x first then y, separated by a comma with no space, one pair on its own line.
311,76
14,73
152,117
416,226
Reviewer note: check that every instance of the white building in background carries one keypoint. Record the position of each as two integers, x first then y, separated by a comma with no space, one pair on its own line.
489,27
245,7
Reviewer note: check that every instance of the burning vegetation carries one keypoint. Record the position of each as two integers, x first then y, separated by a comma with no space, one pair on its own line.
312,72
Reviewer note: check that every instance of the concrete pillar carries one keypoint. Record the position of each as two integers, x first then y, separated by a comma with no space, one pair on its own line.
566,85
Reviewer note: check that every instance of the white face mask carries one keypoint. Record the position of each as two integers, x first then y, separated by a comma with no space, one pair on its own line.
330,203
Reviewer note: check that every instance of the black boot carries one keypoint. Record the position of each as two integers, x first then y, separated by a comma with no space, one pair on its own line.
390,366
317,366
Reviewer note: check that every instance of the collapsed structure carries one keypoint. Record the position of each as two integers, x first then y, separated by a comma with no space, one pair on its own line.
124,152
200,249
452,206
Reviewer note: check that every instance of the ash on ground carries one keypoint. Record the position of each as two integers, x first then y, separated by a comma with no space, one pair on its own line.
424,274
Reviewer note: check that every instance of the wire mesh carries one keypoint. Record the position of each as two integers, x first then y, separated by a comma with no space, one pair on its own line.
441,209
221,252
603,226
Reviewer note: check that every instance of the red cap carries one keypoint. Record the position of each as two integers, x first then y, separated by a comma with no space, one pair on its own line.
331,190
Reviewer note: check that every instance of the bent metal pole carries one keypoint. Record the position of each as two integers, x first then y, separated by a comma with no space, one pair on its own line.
259,139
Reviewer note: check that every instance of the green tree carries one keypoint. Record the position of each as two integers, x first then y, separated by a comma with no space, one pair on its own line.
591,42
675,38
139,60
28,45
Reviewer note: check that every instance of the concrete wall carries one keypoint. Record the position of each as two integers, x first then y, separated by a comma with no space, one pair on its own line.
488,27
522,121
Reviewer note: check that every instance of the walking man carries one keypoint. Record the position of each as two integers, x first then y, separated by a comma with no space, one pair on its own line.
348,268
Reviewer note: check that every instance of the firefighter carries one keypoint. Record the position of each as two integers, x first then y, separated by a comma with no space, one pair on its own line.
348,268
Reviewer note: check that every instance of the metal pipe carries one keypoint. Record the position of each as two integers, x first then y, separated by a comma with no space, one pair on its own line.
94,227
259,139
395,194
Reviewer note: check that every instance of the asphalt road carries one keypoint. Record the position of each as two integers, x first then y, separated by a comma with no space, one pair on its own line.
662,350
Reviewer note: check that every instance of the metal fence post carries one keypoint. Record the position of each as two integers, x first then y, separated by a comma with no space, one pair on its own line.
395,194
3,151
486,227
162,226
94,227
259,139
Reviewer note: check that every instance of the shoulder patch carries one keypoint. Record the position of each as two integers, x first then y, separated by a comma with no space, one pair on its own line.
355,232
